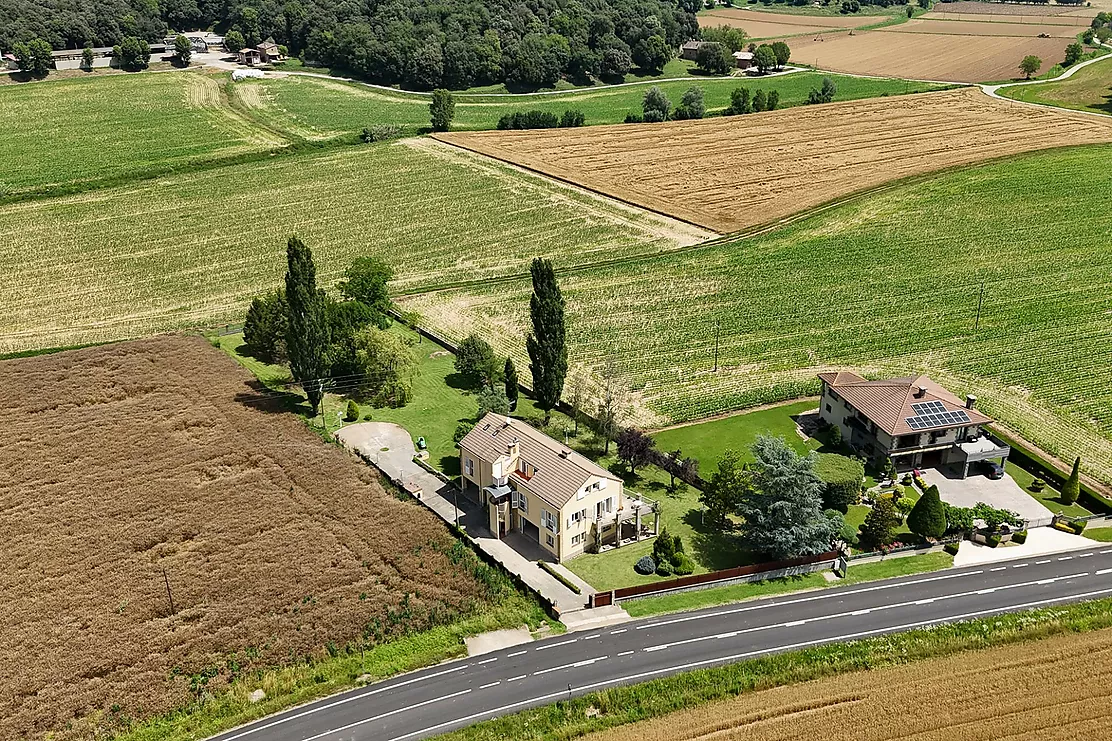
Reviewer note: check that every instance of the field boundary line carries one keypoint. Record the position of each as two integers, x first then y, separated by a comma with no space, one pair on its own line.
742,235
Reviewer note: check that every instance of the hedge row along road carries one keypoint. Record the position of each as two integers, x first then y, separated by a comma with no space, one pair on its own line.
449,696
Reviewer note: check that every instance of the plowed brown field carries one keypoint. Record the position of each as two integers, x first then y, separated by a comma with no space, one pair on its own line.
761,25
945,57
986,28
1005,10
125,460
1058,689
734,172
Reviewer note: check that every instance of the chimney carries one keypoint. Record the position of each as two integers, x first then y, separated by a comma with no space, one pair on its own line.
970,401
920,392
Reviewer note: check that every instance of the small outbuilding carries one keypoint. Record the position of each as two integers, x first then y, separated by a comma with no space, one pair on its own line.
690,50
743,59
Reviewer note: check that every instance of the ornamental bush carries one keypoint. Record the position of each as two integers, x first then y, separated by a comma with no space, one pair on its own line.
352,412
1020,538
645,565
952,548
664,569
683,564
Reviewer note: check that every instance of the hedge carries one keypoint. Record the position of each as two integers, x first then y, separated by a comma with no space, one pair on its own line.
560,577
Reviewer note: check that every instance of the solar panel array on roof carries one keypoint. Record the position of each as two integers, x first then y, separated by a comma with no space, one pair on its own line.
929,407
936,419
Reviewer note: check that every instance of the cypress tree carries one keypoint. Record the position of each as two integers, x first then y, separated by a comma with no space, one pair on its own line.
1072,490
307,326
509,375
927,518
547,343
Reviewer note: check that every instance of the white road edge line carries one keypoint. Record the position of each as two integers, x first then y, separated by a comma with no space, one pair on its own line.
556,645
737,657
385,715
344,701
828,594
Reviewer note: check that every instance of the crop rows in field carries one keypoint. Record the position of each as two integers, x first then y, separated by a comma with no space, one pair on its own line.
730,173
888,285
1040,689
318,108
66,131
193,249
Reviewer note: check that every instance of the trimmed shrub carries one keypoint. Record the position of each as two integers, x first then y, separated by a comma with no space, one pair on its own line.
664,547
842,479
352,412
664,569
992,541
1020,538
1079,527
572,119
904,504
1038,485
529,120
1071,490
683,564
952,548
927,518
645,565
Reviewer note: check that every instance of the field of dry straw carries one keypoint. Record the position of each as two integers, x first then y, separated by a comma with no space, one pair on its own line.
126,460
738,171
1057,689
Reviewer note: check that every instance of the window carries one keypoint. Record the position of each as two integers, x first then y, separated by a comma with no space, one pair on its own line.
550,540
520,501
828,408
577,517
604,507
469,466
549,521
526,470
577,539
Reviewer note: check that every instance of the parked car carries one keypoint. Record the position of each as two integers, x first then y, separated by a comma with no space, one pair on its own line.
993,469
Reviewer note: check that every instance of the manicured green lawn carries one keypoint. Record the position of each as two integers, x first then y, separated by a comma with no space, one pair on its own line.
707,441
1103,534
1048,497
737,592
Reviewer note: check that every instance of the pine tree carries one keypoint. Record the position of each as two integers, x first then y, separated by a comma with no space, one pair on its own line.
547,343
1072,490
307,327
928,517
509,375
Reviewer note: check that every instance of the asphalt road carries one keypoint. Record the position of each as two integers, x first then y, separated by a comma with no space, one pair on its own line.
435,700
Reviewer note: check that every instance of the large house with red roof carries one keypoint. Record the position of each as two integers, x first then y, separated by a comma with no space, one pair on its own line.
912,421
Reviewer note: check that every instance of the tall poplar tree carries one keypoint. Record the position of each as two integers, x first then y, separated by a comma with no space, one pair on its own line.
547,343
509,375
307,326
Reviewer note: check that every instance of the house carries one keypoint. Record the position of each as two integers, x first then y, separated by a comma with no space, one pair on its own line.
269,53
248,56
743,59
690,50
538,487
11,61
912,421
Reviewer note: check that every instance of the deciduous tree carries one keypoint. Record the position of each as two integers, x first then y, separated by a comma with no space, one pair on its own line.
764,58
387,363
727,487
782,52
692,105
635,448
714,58
477,363
366,281
1029,65
547,342
87,57
652,53
307,337
655,106
442,110
1074,53
183,50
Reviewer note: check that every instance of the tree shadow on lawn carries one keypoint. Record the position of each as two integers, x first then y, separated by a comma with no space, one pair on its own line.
459,382
259,396
716,548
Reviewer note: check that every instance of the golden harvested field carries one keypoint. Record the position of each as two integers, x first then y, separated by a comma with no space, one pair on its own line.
946,57
735,172
986,28
1057,689
768,25
121,461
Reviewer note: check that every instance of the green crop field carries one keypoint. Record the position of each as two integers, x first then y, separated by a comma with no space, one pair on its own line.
194,248
60,132
317,108
1090,89
888,284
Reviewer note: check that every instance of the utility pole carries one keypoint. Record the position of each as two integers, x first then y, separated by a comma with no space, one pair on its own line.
717,327
980,303
169,595
455,499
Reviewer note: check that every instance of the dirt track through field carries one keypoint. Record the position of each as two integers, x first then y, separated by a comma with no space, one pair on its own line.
735,172
1056,689
124,460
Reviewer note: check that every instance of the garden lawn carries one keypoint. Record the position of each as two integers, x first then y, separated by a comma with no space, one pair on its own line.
694,600
707,441
62,132
1102,534
1048,497
315,108
1089,89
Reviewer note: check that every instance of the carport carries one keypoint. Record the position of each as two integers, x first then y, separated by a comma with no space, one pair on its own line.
984,448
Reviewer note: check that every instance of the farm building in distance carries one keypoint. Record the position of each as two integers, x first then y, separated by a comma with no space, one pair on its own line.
912,421
743,59
534,485
102,56
267,52
690,52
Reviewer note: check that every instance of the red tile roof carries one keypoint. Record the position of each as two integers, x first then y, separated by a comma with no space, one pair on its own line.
888,403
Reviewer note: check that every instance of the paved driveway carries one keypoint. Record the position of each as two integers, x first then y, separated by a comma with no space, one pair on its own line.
1002,493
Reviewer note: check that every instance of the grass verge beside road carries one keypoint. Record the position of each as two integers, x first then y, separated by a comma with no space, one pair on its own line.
619,705
737,592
